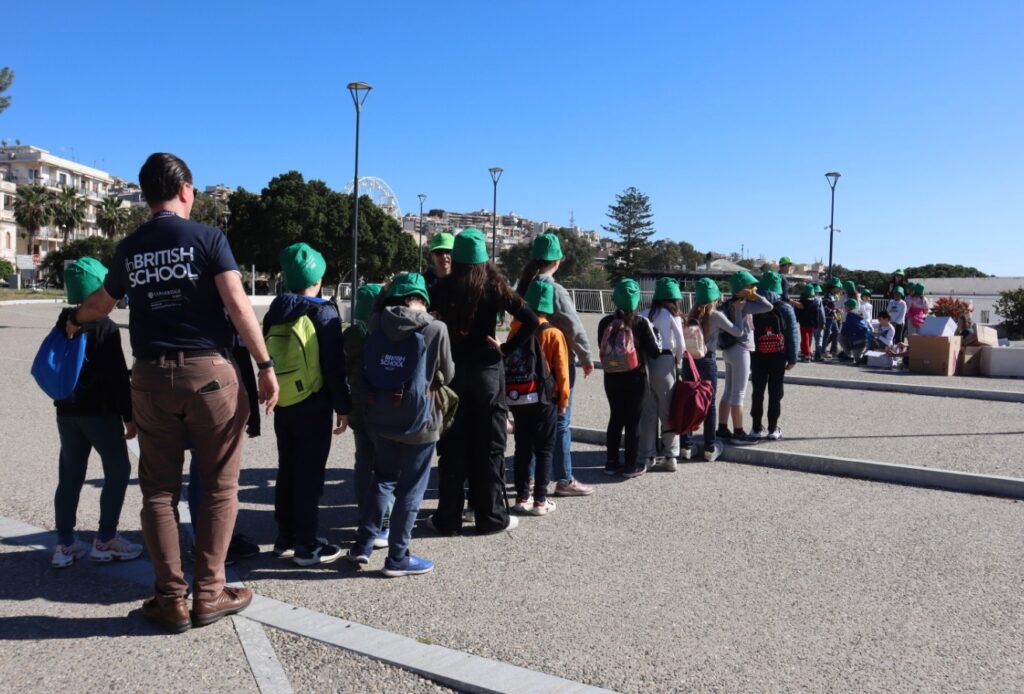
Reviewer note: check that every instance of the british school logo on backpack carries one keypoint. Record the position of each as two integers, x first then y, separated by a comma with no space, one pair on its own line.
398,401
296,352
618,349
527,376
769,337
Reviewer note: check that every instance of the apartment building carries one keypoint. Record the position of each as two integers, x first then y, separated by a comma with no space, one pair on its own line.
27,165
8,228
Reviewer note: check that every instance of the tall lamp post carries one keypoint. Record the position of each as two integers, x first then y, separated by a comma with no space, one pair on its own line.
496,172
832,177
422,197
359,92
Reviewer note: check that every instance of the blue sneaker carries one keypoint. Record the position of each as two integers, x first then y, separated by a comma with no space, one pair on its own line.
410,566
381,541
358,555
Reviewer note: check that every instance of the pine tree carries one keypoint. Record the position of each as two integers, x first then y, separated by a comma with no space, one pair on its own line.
631,220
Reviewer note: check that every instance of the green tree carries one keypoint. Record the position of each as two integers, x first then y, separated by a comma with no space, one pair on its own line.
33,210
6,78
112,218
69,211
6,268
632,222
136,217
513,261
943,270
1011,307
98,247
577,256
208,210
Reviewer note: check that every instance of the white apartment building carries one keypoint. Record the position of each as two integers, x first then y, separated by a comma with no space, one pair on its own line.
8,228
27,165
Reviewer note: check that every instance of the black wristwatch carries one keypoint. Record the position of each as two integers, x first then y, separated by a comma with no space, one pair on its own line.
268,364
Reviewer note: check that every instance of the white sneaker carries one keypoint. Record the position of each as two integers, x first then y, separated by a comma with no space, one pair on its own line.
522,505
543,508
469,516
66,555
775,434
116,548
669,465
711,456
513,523
686,452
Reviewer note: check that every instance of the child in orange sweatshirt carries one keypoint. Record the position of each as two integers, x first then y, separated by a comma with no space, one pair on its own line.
537,390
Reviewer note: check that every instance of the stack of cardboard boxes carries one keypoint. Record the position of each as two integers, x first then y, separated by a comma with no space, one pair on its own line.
936,350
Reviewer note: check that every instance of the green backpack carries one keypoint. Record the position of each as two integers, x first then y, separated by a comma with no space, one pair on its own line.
296,352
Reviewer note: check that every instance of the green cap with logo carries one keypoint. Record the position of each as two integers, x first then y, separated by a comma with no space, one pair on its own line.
470,247
302,265
547,248
365,296
740,280
771,281
540,296
667,289
626,294
706,290
409,284
82,278
441,242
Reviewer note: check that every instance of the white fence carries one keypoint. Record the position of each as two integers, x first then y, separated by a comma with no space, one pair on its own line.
600,301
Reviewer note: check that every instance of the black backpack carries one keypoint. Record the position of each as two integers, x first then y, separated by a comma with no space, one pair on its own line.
770,331
527,376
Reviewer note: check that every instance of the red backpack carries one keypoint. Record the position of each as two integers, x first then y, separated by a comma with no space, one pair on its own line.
690,402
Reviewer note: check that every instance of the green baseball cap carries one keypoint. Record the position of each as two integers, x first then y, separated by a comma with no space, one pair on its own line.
784,260
546,247
470,247
850,287
82,278
808,291
441,242
865,292
667,289
771,281
919,288
705,291
302,265
740,280
626,294
899,271
851,304
409,284
365,296
540,296
835,283
900,290
818,289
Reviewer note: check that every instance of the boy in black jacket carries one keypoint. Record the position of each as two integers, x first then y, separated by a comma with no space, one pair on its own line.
303,418
97,415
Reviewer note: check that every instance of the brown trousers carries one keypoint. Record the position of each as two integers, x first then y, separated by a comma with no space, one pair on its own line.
170,410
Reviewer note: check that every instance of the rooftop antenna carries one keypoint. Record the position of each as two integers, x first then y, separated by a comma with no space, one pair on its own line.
572,219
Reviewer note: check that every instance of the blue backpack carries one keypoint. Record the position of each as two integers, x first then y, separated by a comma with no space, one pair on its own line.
58,363
396,389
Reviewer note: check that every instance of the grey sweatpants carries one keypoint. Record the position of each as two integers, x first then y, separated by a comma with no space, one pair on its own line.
737,374
661,376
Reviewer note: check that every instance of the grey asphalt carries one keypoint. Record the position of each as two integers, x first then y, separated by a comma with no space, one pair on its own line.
718,577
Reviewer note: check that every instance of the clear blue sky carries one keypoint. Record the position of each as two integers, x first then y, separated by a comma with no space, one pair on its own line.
726,114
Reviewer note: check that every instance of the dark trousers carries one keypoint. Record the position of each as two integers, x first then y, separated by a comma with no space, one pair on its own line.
901,332
707,367
474,450
303,433
536,426
767,370
830,343
625,392
78,436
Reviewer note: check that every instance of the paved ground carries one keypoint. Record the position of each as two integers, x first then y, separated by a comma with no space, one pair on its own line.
718,577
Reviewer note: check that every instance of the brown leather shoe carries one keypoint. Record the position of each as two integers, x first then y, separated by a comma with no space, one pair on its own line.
170,613
230,601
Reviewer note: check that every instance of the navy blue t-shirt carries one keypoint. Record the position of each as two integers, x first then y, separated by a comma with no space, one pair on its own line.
166,267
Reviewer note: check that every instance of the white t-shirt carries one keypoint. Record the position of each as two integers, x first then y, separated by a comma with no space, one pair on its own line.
898,311
885,334
670,328
867,309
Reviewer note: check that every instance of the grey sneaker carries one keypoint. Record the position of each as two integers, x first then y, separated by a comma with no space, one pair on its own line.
320,554
713,455
775,434
573,488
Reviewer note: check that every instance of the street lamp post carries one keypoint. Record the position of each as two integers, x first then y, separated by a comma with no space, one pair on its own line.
422,197
496,172
359,92
832,177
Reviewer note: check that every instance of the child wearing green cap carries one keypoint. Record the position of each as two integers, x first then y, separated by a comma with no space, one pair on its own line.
97,415
661,377
545,259
440,257
833,304
627,342
855,335
537,392
811,317
898,314
917,308
468,301
315,402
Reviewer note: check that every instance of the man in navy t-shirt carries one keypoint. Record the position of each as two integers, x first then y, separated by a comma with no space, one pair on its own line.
183,287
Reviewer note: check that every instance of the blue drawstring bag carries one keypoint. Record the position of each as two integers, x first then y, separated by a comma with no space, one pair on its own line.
58,363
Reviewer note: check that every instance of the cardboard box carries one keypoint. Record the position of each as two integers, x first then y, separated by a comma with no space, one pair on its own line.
938,326
984,335
934,355
969,361
1002,362
881,360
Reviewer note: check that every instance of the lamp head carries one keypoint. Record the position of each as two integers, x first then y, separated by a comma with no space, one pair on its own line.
832,177
422,197
496,172
355,88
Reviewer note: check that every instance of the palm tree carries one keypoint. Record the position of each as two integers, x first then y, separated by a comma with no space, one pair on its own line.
33,210
112,218
69,211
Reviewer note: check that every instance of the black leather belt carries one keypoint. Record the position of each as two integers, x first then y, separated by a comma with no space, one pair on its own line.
182,354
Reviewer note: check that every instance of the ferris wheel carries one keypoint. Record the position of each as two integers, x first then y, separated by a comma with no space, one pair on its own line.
381,194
